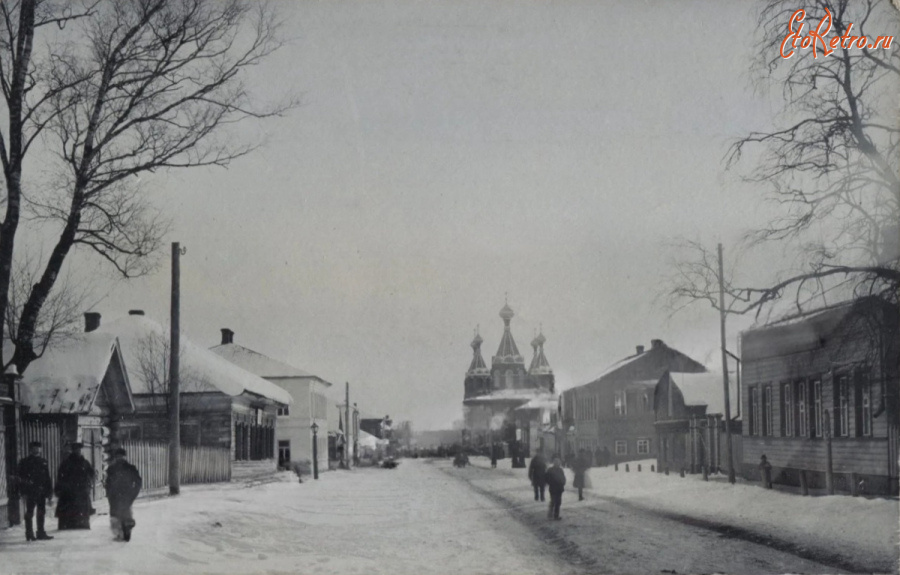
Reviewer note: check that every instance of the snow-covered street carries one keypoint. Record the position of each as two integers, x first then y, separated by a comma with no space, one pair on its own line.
423,517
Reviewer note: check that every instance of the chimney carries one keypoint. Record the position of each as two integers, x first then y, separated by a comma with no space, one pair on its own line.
227,336
135,312
640,349
656,344
91,321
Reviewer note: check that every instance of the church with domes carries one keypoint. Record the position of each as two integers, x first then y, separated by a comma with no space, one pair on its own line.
509,403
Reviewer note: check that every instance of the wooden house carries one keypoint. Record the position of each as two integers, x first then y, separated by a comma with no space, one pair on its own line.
222,406
821,390
690,421
77,391
310,404
614,411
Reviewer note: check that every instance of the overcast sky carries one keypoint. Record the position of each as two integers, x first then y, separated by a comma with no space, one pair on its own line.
448,153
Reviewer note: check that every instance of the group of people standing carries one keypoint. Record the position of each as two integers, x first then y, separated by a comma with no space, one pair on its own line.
74,482
553,479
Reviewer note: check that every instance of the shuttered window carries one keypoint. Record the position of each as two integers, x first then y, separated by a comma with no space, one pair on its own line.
787,411
802,409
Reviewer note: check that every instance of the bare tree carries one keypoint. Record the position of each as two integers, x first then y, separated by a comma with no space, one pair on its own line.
830,164
61,314
123,88
153,352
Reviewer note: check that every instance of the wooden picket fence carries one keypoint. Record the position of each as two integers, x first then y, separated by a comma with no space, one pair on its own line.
205,464
198,464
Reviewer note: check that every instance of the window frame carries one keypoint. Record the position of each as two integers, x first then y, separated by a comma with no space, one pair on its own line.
818,413
620,403
787,410
803,408
623,444
646,444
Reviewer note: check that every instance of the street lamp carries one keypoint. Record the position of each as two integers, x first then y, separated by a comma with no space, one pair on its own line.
315,430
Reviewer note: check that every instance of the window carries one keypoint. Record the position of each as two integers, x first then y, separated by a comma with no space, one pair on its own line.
767,409
129,432
787,411
621,447
643,446
754,415
509,379
842,420
802,413
817,408
645,405
621,403
865,407
286,410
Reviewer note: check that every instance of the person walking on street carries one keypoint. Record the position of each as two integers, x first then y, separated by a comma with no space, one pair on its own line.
123,483
580,467
556,482
537,472
73,488
36,487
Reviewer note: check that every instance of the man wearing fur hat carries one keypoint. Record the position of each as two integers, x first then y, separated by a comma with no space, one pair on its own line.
123,483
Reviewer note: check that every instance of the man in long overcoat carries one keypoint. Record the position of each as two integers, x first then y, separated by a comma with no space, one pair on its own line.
537,472
37,488
73,487
123,483
556,483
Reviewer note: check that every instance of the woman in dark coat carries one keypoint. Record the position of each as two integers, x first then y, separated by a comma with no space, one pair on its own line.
580,466
537,471
123,483
73,488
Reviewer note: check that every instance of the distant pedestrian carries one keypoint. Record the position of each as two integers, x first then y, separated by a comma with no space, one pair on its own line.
765,472
537,473
607,457
493,455
73,487
580,467
36,487
556,483
123,483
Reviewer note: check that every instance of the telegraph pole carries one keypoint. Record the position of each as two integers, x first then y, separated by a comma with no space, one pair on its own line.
347,420
728,453
174,386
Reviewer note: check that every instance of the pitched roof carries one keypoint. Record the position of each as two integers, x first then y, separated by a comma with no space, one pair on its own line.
706,389
207,371
650,364
67,378
259,364
806,331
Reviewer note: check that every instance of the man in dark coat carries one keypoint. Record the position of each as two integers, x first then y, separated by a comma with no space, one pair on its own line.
580,467
556,482
37,488
123,483
537,472
73,487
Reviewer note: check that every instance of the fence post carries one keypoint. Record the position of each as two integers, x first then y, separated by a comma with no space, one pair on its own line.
804,483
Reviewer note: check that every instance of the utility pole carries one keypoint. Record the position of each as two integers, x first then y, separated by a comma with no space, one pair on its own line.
347,419
728,453
11,418
174,386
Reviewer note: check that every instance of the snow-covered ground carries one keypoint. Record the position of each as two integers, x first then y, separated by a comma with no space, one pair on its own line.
413,519
860,529
428,517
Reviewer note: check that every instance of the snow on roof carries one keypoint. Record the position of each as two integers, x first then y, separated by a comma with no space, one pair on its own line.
706,389
68,376
259,364
508,395
208,371
547,401
619,364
